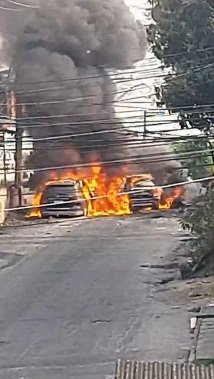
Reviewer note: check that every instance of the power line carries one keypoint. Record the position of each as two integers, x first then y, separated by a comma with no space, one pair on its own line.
112,75
115,127
178,168
84,78
22,4
178,184
131,120
73,100
197,108
102,132
159,157
116,80
9,9
125,145
155,112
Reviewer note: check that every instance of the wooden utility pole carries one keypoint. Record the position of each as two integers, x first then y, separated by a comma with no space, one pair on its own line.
144,125
16,114
4,160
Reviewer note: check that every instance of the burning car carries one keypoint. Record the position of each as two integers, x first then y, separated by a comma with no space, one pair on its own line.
142,193
63,198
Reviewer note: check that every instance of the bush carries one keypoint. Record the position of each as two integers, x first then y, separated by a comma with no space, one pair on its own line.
199,220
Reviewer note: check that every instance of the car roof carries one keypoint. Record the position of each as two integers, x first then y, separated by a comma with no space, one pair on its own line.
66,183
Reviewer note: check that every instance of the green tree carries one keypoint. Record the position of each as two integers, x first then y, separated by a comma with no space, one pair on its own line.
199,164
199,220
182,37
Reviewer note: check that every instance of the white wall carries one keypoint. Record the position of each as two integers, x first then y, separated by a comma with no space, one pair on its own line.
10,156
3,204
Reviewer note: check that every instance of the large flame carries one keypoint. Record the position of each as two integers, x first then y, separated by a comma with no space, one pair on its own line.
102,191
104,194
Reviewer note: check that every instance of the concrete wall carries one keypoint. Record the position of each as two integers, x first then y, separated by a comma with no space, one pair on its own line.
27,196
3,204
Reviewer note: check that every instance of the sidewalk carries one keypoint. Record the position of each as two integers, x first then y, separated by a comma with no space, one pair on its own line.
204,347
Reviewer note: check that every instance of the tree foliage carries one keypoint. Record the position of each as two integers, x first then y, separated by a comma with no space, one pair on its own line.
182,37
201,164
199,220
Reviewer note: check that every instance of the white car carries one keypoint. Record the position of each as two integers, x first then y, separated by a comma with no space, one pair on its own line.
142,193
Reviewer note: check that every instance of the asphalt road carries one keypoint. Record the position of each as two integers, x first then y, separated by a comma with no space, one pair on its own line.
74,297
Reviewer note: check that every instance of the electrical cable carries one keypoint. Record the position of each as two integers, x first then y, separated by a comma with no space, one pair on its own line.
122,138
200,108
22,4
133,124
125,144
173,76
132,121
113,77
208,115
9,9
178,184
173,168
162,157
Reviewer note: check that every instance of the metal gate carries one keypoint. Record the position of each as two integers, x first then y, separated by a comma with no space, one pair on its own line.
126,369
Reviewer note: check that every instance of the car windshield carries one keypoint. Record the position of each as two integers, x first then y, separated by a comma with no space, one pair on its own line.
59,190
143,183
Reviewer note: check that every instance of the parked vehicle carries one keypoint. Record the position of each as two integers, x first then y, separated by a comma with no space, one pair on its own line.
63,199
142,193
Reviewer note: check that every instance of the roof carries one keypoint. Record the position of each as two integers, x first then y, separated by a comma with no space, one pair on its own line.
126,369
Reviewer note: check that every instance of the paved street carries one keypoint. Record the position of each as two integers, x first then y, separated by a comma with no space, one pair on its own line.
74,297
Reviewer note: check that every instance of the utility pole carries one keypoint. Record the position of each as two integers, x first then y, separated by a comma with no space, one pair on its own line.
144,125
17,112
4,159
3,154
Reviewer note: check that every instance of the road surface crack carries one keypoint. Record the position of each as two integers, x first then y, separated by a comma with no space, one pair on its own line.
99,321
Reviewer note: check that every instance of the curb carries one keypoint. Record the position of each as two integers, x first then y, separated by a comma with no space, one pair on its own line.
196,322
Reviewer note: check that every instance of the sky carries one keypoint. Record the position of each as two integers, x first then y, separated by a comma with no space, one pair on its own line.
145,87
141,87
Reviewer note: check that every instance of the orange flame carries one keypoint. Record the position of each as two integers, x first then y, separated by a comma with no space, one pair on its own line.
102,192
36,212
167,200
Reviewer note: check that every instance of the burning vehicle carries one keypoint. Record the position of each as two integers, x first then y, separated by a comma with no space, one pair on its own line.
142,193
99,192
92,193
63,198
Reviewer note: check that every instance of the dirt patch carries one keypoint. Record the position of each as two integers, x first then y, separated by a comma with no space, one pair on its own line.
192,291
18,220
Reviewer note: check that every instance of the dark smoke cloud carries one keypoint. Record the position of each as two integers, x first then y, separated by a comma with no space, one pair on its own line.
64,39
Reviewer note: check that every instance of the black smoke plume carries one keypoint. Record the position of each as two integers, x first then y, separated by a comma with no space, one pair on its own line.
61,52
